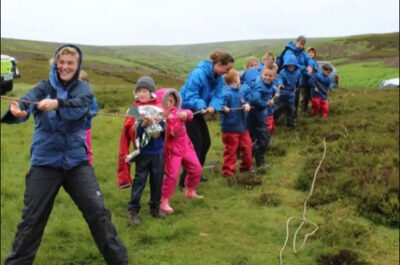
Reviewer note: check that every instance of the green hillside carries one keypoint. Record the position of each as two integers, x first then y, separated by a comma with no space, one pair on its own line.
356,197
179,60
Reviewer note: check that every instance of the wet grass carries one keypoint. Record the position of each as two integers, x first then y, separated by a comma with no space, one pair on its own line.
355,201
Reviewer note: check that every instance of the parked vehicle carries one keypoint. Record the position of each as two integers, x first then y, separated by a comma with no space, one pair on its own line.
9,71
334,76
390,83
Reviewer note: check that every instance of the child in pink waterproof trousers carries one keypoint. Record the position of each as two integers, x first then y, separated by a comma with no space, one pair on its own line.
178,151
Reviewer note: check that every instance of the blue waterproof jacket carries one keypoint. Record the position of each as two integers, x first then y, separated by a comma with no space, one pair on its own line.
93,112
236,120
202,89
260,66
314,65
247,91
289,80
303,60
155,145
262,92
250,76
59,137
322,82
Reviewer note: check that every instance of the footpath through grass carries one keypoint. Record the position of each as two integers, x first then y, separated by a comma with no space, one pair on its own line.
355,201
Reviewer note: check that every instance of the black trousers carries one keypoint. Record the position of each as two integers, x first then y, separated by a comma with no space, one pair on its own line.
198,133
145,165
303,97
42,186
289,109
260,136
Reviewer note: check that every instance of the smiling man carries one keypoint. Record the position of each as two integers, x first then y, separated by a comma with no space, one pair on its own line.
59,159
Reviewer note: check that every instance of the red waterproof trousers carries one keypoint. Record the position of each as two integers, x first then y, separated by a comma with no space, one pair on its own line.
270,122
319,105
232,142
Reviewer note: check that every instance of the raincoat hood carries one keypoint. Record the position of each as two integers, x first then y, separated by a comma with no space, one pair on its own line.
207,67
290,60
174,92
55,80
163,93
291,45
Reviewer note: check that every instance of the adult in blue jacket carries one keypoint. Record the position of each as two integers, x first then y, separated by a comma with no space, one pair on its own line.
304,63
58,158
202,92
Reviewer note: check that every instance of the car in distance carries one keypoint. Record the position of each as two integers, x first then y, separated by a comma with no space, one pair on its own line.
390,83
9,71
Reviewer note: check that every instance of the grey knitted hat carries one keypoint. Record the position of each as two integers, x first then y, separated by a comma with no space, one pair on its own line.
145,82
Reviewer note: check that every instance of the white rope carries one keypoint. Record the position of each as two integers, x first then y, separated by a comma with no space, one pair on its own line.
347,134
303,219
93,113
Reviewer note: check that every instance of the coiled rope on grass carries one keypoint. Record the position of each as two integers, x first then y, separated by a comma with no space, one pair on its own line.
303,219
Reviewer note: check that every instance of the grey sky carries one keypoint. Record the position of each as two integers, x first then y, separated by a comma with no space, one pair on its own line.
165,22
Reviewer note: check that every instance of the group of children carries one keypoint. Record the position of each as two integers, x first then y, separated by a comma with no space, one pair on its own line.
162,155
249,107
253,102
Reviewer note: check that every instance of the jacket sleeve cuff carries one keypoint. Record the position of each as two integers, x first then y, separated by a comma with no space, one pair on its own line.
61,103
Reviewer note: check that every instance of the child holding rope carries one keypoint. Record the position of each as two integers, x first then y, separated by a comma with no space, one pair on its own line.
149,161
320,84
234,128
287,82
178,150
263,98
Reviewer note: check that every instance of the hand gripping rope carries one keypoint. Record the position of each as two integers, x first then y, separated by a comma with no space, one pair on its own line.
36,102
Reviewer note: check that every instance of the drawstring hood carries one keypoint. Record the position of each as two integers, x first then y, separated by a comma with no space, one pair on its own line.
54,78
174,92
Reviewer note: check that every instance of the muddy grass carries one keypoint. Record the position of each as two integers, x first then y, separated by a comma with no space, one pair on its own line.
343,257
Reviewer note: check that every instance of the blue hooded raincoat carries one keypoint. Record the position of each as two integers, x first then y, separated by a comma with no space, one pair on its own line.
261,94
236,120
289,80
202,89
59,139
302,61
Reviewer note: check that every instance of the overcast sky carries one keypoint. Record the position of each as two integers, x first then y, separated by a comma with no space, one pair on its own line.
167,22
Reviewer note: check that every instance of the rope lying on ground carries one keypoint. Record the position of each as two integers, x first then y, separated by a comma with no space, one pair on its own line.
303,219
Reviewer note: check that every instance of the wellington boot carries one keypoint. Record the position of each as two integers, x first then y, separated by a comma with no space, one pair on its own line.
191,194
133,217
165,207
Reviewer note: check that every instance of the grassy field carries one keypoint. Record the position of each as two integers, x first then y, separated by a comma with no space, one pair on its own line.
176,61
355,201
